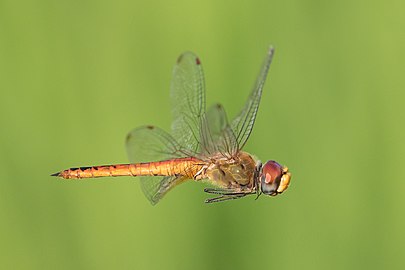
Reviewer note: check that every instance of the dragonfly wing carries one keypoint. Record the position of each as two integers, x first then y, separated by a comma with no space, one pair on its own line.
151,143
155,188
216,133
242,125
188,101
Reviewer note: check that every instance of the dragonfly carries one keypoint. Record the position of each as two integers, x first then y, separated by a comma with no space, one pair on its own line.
202,146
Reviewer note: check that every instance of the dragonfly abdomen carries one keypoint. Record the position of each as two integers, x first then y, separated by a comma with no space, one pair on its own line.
181,166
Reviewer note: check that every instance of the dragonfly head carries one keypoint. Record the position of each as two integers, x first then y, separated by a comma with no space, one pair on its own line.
274,178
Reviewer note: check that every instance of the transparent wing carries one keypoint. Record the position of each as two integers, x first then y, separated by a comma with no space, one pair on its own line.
188,101
216,133
149,143
155,188
242,125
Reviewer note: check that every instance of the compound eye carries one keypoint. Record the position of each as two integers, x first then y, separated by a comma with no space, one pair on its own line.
271,177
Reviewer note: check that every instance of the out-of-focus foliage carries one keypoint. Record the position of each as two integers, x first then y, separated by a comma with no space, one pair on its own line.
76,76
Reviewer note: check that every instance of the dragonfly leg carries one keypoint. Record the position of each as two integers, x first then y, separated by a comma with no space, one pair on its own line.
221,191
223,198
226,194
224,191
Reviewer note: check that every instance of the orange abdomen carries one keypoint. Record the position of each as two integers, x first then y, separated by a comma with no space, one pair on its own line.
181,166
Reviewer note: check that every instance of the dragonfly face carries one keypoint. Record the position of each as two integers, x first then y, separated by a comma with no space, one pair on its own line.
274,178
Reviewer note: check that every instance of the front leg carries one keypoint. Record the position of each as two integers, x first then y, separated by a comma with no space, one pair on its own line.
226,194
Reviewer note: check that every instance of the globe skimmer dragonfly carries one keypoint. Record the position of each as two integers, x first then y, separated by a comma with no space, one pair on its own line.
202,145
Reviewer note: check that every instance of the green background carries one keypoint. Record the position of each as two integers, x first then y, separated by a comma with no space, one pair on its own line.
76,76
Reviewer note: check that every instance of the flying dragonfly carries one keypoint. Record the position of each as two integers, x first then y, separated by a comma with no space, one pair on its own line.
202,145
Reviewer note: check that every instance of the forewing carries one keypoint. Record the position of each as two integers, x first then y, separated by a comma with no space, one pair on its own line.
149,143
188,101
242,125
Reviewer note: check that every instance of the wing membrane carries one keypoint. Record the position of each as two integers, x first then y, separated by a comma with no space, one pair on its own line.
188,101
216,134
242,125
149,143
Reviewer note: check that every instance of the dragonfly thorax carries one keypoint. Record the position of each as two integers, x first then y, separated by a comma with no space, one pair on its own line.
234,173
274,178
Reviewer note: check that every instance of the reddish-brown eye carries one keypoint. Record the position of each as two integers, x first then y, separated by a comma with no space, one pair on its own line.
273,174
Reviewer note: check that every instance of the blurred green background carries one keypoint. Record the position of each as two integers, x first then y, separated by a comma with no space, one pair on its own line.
76,76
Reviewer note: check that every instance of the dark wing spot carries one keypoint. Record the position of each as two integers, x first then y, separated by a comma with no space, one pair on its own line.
150,127
179,59
73,169
197,61
84,168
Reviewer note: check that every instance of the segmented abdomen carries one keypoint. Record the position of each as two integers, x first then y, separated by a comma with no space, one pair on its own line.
181,166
